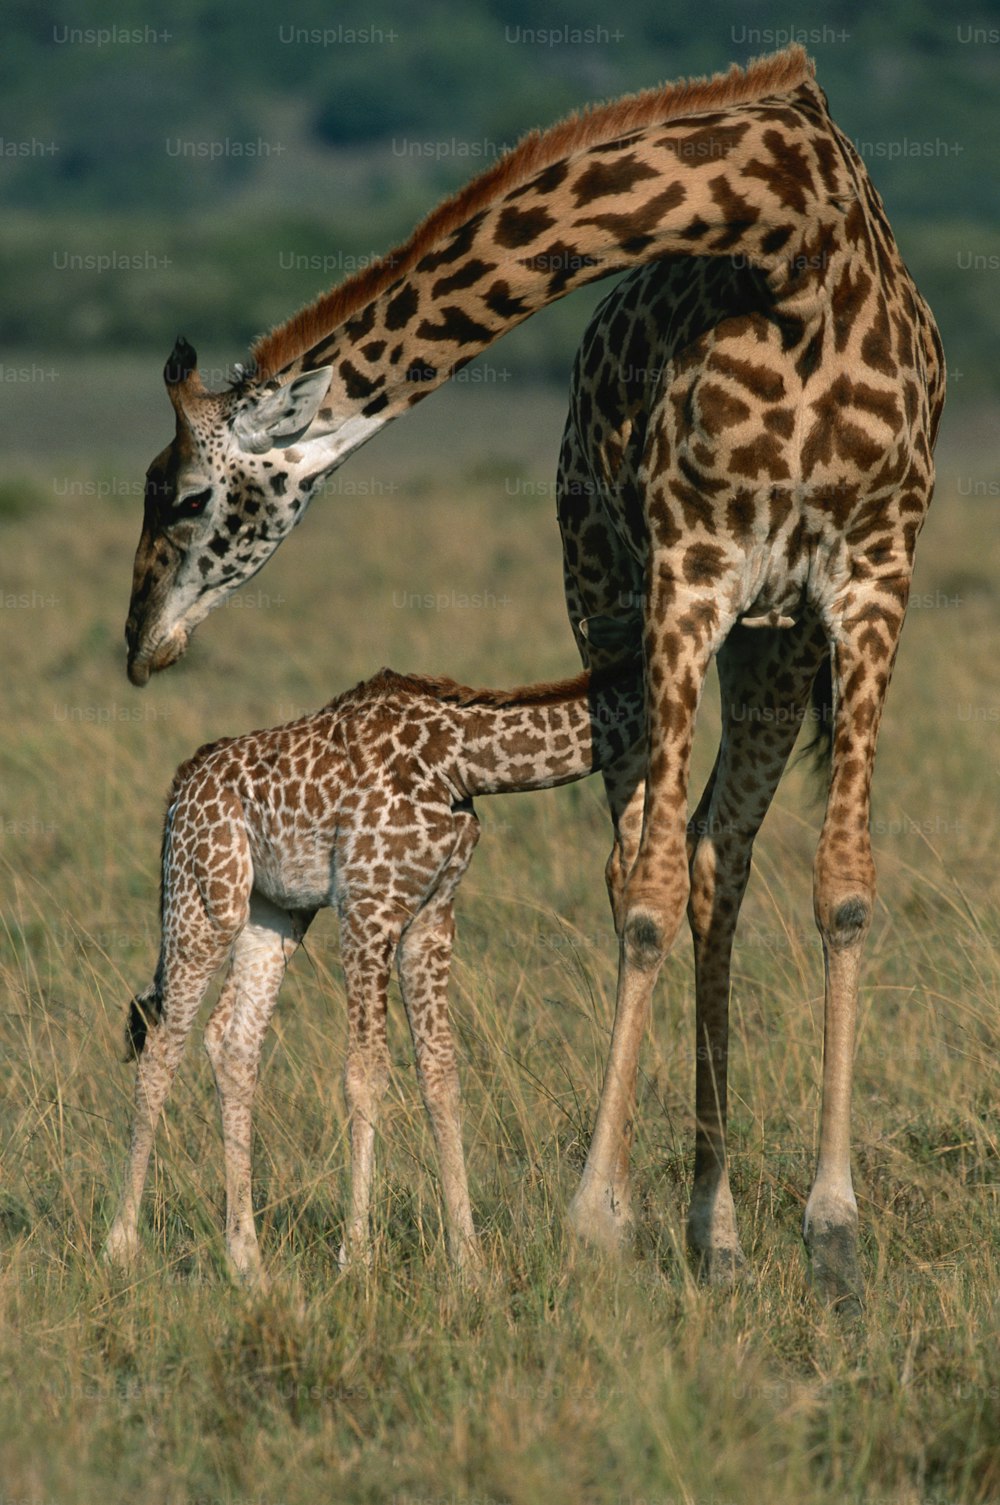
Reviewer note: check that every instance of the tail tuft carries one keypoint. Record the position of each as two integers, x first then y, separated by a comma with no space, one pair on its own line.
146,1010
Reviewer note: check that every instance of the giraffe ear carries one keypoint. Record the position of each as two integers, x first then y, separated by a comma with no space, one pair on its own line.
273,420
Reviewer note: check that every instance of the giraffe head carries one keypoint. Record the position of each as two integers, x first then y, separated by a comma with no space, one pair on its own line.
220,498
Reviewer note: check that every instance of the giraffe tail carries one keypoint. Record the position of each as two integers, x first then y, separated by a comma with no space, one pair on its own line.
146,1010
819,749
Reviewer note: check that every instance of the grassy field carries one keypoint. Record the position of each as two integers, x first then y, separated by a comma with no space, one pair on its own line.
566,1379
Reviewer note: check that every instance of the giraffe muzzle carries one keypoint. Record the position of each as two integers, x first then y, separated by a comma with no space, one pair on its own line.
142,662
138,672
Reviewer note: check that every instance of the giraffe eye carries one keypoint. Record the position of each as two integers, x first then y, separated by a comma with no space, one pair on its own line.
193,504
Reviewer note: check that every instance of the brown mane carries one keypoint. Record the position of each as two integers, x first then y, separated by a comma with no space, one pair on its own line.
777,74
448,692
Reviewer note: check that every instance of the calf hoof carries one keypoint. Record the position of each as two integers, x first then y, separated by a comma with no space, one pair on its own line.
354,1256
467,1261
245,1267
121,1248
250,1277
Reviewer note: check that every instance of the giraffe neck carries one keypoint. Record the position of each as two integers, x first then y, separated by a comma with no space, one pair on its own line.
543,736
763,179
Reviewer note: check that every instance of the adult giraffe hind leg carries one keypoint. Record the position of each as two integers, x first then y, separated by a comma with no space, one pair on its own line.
843,897
602,579
764,678
683,630
603,585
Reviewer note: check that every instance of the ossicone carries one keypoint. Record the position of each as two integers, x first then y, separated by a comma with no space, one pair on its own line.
183,359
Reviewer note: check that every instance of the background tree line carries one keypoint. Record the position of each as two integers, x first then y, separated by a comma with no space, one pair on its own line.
190,164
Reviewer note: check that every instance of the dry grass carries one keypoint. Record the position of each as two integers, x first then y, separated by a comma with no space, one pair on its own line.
566,1379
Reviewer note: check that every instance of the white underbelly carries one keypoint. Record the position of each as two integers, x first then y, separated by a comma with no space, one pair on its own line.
302,878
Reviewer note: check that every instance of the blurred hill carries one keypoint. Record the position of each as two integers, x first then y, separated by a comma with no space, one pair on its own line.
198,166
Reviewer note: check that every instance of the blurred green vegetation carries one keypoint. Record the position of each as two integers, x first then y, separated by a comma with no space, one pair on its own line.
230,162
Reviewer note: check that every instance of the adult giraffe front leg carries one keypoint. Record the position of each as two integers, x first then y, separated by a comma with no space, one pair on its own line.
684,628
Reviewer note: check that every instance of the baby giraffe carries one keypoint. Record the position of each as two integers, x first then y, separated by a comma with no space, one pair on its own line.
366,805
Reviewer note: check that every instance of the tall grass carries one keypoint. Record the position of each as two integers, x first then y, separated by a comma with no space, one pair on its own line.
566,1378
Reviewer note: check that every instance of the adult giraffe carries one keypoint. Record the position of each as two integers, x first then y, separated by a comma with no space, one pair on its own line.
747,463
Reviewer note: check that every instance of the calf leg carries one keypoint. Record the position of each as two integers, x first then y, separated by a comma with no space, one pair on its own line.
424,963
204,908
234,1039
369,934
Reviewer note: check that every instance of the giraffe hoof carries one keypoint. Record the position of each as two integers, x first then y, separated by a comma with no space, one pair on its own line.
250,1278
602,1218
721,1266
121,1249
473,1275
351,1256
467,1262
243,1259
834,1273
